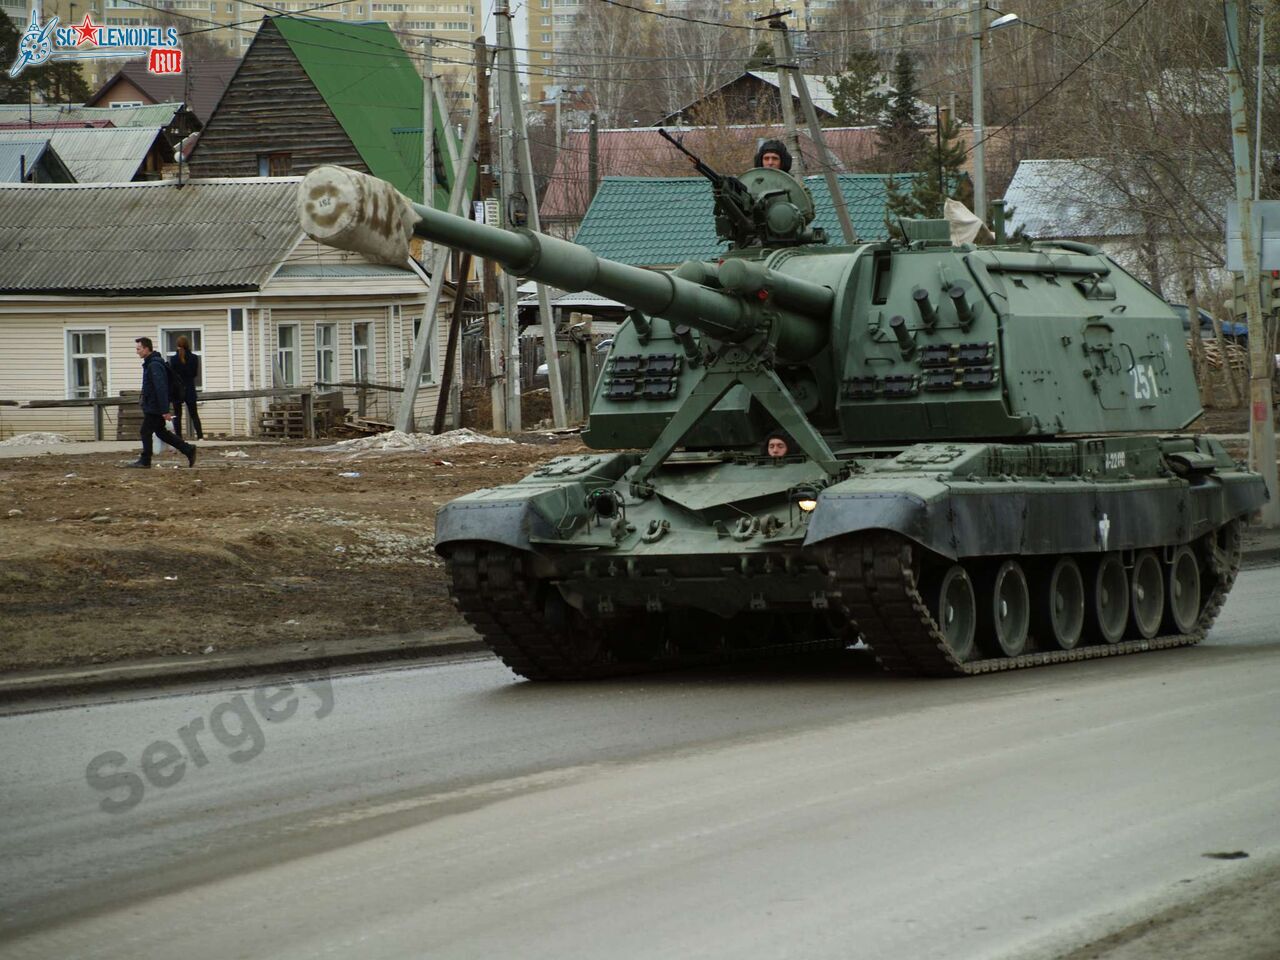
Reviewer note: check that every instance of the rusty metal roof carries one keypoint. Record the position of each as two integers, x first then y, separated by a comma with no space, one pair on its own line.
145,238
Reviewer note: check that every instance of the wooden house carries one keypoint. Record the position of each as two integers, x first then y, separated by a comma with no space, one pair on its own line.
753,96
200,86
311,92
223,262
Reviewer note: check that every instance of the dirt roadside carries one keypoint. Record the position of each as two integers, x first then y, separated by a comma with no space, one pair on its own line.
275,547
102,564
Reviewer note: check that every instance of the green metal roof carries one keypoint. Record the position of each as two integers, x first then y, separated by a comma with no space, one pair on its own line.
374,91
657,221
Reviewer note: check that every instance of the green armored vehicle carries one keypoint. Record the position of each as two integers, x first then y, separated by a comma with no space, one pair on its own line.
985,469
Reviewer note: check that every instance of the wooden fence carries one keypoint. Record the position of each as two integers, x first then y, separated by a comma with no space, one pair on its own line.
99,404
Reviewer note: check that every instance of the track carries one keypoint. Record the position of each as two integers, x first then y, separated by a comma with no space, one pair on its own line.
531,629
877,580
535,633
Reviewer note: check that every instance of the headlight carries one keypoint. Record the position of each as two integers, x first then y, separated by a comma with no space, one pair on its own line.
805,497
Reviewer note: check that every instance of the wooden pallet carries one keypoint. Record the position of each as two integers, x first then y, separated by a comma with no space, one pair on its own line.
285,420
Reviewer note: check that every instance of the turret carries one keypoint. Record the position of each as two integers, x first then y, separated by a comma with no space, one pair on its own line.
887,343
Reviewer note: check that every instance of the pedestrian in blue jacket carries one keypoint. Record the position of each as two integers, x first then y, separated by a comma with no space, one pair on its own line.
156,405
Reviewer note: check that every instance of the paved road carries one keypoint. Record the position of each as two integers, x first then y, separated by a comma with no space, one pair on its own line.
823,810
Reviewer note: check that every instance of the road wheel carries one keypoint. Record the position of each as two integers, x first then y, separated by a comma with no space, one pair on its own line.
1059,606
951,602
1108,599
1007,613
1182,593
1146,594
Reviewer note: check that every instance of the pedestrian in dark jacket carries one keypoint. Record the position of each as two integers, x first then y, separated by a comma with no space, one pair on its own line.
184,368
155,405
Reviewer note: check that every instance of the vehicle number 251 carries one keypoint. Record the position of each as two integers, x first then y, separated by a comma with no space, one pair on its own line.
1144,382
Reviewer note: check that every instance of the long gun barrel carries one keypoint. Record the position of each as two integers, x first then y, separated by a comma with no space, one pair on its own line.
354,211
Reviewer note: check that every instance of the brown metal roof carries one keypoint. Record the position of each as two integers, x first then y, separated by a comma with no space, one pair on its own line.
145,238
200,85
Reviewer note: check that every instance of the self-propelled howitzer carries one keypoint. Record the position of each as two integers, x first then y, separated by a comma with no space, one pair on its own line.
985,472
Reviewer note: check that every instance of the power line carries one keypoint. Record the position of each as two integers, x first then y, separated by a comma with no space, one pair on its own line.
1067,76
740,26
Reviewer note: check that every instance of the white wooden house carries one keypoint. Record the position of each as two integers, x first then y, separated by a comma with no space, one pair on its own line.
86,268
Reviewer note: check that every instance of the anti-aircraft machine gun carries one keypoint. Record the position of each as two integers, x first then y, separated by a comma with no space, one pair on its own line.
986,474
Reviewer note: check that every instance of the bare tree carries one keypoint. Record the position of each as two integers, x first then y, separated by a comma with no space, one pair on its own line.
611,55
699,56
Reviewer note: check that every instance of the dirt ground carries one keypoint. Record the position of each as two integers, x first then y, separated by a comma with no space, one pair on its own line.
99,564
103,564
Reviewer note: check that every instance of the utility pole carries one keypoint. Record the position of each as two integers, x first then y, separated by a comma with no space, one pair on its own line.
520,153
494,332
1262,436
428,126
439,263
445,121
509,91
829,161
593,158
428,138
979,147
781,60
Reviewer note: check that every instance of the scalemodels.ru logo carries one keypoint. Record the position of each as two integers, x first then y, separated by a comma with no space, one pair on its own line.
91,41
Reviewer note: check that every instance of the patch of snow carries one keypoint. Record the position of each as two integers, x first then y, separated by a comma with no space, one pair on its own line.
37,439
395,440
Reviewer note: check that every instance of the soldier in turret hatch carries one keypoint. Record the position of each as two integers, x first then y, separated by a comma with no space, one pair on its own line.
774,155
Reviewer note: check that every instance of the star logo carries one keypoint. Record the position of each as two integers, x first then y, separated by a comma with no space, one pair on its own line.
87,31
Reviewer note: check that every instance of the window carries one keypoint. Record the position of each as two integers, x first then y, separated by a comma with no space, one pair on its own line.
326,352
429,366
236,315
119,104
87,363
287,355
195,336
362,351
275,164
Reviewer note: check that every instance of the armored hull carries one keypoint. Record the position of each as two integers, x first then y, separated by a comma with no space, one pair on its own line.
988,466
944,558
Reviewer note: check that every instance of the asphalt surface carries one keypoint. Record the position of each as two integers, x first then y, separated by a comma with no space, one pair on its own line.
815,810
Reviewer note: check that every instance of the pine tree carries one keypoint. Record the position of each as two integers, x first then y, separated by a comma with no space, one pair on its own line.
900,203
940,173
902,143
855,95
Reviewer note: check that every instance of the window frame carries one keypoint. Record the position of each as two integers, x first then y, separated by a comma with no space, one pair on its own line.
428,376
71,357
370,350
331,349
296,353
278,163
